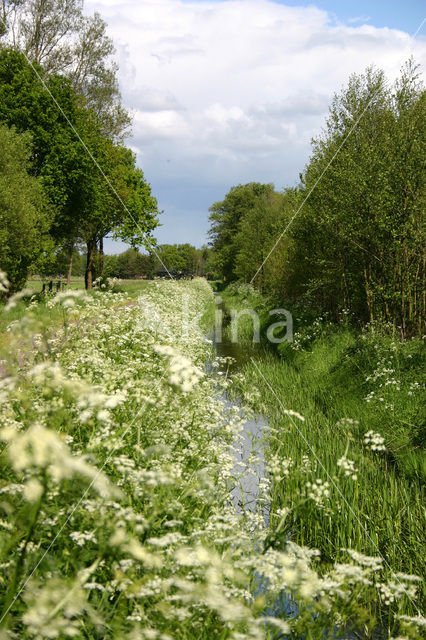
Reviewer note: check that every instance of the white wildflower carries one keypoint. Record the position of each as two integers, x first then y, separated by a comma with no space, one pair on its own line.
372,562
183,373
33,490
294,414
392,591
13,300
81,537
55,609
419,621
375,441
68,298
42,448
348,467
319,492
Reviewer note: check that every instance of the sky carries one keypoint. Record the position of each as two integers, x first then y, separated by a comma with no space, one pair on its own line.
225,92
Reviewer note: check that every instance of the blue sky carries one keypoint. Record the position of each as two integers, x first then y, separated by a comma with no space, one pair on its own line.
224,92
395,14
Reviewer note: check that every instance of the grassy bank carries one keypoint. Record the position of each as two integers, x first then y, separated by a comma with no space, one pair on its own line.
339,485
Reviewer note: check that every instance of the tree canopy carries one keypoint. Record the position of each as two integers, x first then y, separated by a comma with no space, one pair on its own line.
357,244
58,37
90,180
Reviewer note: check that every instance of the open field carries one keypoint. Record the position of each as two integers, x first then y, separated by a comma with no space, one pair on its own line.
48,315
78,283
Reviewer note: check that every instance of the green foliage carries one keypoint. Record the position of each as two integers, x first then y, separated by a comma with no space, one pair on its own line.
57,36
89,203
24,211
226,217
123,444
129,264
358,242
177,258
58,157
117,201
345,384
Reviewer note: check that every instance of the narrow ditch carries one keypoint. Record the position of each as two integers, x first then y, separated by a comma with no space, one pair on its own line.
248,450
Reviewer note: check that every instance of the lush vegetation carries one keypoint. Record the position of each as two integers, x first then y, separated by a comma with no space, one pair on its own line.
58,89
24,210
121,450
345,446
350,237
165,259
121,446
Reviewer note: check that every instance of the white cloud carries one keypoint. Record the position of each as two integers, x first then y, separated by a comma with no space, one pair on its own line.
234,89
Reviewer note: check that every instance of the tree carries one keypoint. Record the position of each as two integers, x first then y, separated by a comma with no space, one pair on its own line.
225,217
116,202
89,203
24,210
55,35
362,228
177,258
58,157
358,242
260,227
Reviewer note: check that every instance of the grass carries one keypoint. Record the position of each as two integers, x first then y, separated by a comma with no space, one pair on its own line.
47,316
131,286
344,383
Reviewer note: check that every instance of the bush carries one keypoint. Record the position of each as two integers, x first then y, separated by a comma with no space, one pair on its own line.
24,216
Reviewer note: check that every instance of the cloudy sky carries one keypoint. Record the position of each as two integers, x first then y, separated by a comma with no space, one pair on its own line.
225,92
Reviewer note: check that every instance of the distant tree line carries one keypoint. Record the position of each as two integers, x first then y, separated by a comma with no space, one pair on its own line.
358,243
182,259
66,177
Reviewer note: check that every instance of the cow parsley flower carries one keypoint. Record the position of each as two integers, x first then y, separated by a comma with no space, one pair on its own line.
42,448
33,490
372,562
183,373
14,300
348,466
419,620
319,492
375,441
392,591
81,537
69,298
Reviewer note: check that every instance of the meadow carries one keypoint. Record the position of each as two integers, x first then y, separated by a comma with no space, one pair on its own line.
117,464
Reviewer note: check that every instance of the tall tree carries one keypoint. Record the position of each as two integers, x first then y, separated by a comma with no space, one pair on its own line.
87,205
260,226
225,218
117,202
58,37
362,227
58,157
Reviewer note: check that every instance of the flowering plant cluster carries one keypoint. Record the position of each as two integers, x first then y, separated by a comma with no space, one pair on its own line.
106,284
117,466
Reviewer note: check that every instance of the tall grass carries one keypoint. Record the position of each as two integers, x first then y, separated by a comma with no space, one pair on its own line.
344,383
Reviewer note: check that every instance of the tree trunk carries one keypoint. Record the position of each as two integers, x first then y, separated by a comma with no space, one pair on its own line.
101,256
70,267
90,264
